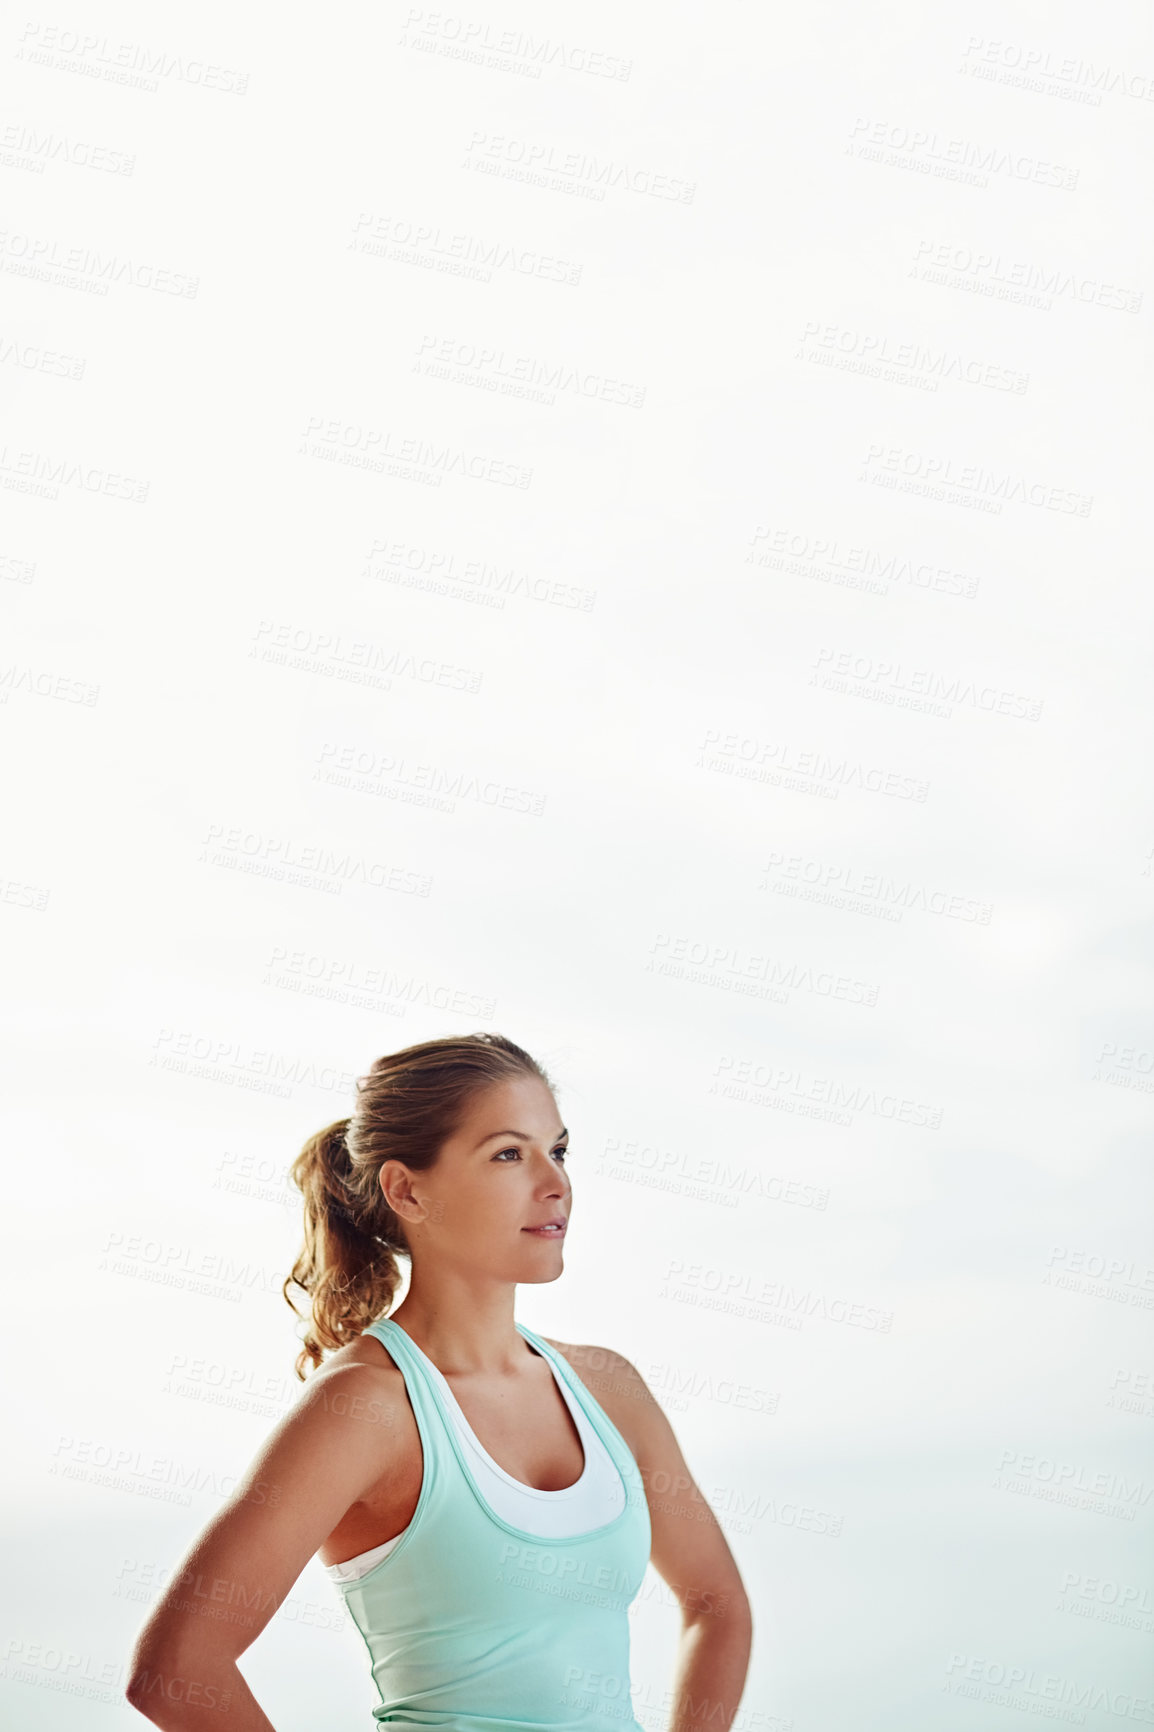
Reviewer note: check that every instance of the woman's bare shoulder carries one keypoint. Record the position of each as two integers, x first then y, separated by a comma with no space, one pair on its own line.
358,1380
366,1355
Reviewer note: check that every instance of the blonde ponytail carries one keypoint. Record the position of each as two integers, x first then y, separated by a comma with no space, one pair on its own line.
348,1270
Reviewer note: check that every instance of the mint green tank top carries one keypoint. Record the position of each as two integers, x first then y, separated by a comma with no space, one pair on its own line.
473,1625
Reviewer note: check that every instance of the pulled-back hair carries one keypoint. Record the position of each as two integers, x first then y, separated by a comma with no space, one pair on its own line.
408,1105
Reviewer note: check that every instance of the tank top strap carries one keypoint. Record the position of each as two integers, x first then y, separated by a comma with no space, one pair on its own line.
619,1451
432,1420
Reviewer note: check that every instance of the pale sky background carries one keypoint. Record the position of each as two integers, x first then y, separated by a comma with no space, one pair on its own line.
844,313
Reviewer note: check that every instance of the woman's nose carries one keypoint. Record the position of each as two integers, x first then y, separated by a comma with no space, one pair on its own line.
554,1176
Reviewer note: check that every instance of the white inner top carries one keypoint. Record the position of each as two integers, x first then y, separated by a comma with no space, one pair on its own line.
591,1502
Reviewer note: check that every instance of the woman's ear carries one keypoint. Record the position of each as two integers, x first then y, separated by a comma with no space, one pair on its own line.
397,1186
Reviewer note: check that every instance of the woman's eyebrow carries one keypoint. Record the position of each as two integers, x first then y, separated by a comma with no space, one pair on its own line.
520,1135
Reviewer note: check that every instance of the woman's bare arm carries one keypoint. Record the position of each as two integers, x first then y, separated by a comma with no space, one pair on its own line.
335,1444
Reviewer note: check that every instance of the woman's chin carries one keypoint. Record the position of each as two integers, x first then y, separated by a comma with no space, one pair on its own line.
540,1269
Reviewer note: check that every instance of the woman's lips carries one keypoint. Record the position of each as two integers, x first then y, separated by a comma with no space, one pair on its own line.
549,1232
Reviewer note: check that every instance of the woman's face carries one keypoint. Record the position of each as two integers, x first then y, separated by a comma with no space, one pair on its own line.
498,1183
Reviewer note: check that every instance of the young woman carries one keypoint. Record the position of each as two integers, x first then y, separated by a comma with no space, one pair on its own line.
485,1499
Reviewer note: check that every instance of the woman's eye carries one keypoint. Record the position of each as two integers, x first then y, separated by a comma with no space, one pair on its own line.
501,1153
